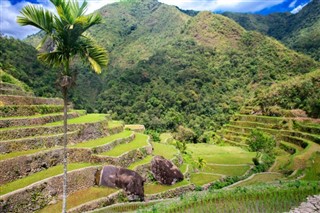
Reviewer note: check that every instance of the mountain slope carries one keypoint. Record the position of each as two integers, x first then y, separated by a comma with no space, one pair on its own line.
301,92
169,69
196,78
299,31
20,60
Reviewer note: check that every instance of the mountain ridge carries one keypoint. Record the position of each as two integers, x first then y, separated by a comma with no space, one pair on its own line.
169,69
300,31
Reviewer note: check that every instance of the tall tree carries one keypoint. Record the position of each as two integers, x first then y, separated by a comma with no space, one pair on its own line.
64,39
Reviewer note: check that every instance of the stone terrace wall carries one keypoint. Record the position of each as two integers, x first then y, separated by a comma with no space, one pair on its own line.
15,92
123,160
19,167
40,194
35,143
172,193
100,203
4,123
144,170
81,132
28,110
28,100
4,85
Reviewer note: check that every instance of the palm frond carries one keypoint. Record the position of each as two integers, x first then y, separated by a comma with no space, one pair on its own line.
56,58
92,19
43,40
76,9
92,52
83,23
38,17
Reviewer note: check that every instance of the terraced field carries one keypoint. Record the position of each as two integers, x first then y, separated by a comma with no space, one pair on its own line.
31,154
31,138
298,139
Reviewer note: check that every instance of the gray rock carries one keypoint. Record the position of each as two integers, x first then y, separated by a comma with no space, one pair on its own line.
164,171
312,205
128,180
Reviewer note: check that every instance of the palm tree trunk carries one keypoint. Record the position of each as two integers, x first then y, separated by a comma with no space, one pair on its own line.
65,152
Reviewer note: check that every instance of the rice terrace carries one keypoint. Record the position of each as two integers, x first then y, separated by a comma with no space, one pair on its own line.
143,106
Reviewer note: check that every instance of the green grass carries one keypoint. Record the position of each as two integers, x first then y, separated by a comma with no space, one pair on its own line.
80,112
22,153
89,118
281,162
13,80
313,168
53,171
292,145
157,188
260,178
221,154
183,168
165,150
262,116
102,141
79,197
32,116
128,207
57,123
301,158
139,141
166,137
200,179
141,162
134,127
226,170
113,124
259,198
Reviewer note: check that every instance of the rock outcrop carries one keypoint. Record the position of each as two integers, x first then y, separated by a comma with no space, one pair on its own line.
164,171
312,205
128,180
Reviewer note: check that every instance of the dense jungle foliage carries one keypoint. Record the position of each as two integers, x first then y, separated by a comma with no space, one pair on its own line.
20,60
300,92
168,68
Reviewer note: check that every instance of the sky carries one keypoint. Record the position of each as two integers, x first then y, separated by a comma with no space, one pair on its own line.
9,9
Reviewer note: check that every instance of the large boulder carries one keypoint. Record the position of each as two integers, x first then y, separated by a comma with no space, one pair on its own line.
128,180
164,171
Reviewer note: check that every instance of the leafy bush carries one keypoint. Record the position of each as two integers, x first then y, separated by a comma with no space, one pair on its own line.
154,135
185,135
181,146
297,93
261,142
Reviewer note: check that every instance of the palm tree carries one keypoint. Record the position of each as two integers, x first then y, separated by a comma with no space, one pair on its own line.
201,163
65,34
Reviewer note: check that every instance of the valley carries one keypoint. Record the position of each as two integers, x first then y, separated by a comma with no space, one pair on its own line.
195,112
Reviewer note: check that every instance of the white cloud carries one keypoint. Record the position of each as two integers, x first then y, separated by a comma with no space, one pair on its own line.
8,19
96,4
224,5
9,13
297,9
293,4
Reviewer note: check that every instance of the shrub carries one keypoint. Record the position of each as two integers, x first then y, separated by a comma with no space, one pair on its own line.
185,134
261,142
154,135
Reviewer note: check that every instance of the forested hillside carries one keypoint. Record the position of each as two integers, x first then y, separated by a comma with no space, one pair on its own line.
299,31
168,68
20,60
300,92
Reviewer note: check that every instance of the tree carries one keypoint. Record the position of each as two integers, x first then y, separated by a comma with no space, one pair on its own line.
201,163
260,142
64,39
